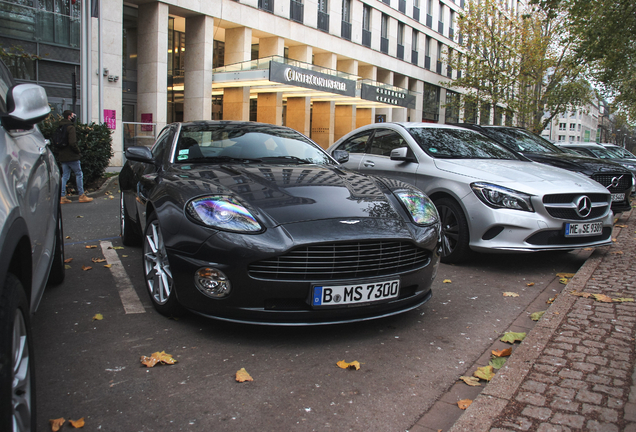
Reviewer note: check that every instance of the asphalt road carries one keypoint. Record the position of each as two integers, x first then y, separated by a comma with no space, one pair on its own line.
91,368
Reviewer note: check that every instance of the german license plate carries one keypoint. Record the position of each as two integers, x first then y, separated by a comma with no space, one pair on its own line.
583,229
618,197
351,294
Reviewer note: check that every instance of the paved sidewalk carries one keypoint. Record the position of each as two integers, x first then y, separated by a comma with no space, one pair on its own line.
575,369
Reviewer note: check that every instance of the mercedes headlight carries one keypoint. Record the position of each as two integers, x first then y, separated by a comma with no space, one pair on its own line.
419,206
223,212
500,197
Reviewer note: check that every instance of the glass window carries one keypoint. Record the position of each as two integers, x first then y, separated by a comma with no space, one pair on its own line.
400,35
458,144
356,144
430,107
572,127
163,143
386,140
366,18
414,38
521,140
346,10
384,30
6,82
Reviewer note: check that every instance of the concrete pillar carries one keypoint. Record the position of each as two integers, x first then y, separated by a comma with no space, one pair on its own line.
299,108
198,68
345,120
365,116
418,87
152,63
324,113
442,106
400,114
238,48
112,16
385,76
269,106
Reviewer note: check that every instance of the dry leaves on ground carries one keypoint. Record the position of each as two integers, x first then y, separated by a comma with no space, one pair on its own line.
56,424
470,380
536,316
98,260
512,337
502,353
601,297
464,403
510,294
157,357
242,376
530,284
353,365
98,317
85,268
447,281
485,372
77,423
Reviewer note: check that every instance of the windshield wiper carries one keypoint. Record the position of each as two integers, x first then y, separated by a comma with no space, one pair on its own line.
222,159
288,158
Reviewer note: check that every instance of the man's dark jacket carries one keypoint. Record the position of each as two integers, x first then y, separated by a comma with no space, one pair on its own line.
71,152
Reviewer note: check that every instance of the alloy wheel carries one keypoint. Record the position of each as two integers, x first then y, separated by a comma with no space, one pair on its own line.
156,265
21,386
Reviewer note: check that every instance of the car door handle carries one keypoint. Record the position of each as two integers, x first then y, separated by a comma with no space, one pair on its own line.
369,164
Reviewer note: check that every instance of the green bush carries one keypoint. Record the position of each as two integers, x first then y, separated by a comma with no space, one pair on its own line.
95,144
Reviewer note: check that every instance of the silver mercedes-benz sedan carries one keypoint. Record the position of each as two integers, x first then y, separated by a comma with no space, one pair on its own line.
489,198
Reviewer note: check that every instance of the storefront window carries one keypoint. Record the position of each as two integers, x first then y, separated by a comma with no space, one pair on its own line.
430,108
452,107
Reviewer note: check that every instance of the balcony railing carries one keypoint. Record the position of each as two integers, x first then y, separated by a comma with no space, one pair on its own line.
345,30
323,21
402,6
266,5
366,38
427,62
429,21
439,67
384,45
414,57
400,52
416,13
296,11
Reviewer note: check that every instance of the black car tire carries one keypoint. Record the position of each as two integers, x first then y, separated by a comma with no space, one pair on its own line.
455,234
17,379
157,273
58,268
129,228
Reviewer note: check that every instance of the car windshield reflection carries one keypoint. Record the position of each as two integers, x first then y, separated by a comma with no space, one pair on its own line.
523,141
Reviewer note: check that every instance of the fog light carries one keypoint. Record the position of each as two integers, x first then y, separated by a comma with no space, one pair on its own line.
212,282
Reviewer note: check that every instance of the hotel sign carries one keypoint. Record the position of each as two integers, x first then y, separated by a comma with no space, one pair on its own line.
387,96
287,74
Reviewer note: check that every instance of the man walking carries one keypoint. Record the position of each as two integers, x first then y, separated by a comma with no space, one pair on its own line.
69,157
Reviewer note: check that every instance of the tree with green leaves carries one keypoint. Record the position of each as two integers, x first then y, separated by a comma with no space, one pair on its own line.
514,59
603,36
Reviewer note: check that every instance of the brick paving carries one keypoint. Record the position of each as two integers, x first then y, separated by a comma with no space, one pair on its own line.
575,371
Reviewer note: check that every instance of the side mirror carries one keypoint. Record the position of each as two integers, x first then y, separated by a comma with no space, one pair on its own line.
341,156
27,105
401,154
139,154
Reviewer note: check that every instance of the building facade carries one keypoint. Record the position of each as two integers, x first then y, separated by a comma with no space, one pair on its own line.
579,125
322,67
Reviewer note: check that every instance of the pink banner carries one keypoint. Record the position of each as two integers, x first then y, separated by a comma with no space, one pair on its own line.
110,118
146,118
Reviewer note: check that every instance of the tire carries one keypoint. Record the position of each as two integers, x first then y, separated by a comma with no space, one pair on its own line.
157,273
58,268
455,235
129,228
17,368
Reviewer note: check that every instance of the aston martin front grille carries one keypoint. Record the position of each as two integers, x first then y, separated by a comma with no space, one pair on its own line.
342,261
563,206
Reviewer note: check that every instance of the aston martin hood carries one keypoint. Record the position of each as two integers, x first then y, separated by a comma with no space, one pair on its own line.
310,190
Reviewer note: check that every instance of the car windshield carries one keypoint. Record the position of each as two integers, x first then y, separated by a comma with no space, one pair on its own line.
245,143
522,141
444,143
604,153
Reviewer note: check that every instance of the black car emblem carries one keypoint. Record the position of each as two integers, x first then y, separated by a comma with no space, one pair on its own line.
615,182
583,206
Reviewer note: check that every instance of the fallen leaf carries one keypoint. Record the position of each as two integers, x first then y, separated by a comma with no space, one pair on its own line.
68,260
68,237
77,423
565,275
56,424
620,226
623,299
530,284
242,376
98,260
617,252
67,266
512,337
464,403
91,246
98,317
115,247
510,294
486,373
497,362
580,294
124,256
447,281
111,197
78,216
564,281
502,353
353,365
85,268
614,240
108,265
536,316
551,299
157,357
471,381
602,298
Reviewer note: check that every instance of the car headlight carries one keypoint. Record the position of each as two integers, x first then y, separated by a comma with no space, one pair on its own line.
419,206
500,197
223,212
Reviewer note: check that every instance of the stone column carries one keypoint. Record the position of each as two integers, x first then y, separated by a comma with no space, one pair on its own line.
400,114
198,68
299,108
418,87
152,63
345,120
269,107
112,16
238,48
365,116
323,113
385,76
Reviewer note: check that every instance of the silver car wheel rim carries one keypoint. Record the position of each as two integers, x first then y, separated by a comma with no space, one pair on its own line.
156,266
450,230
21,386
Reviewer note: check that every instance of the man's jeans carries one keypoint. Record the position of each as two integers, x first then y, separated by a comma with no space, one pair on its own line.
74,166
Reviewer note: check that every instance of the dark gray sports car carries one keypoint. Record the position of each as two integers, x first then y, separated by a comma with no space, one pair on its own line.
255,223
